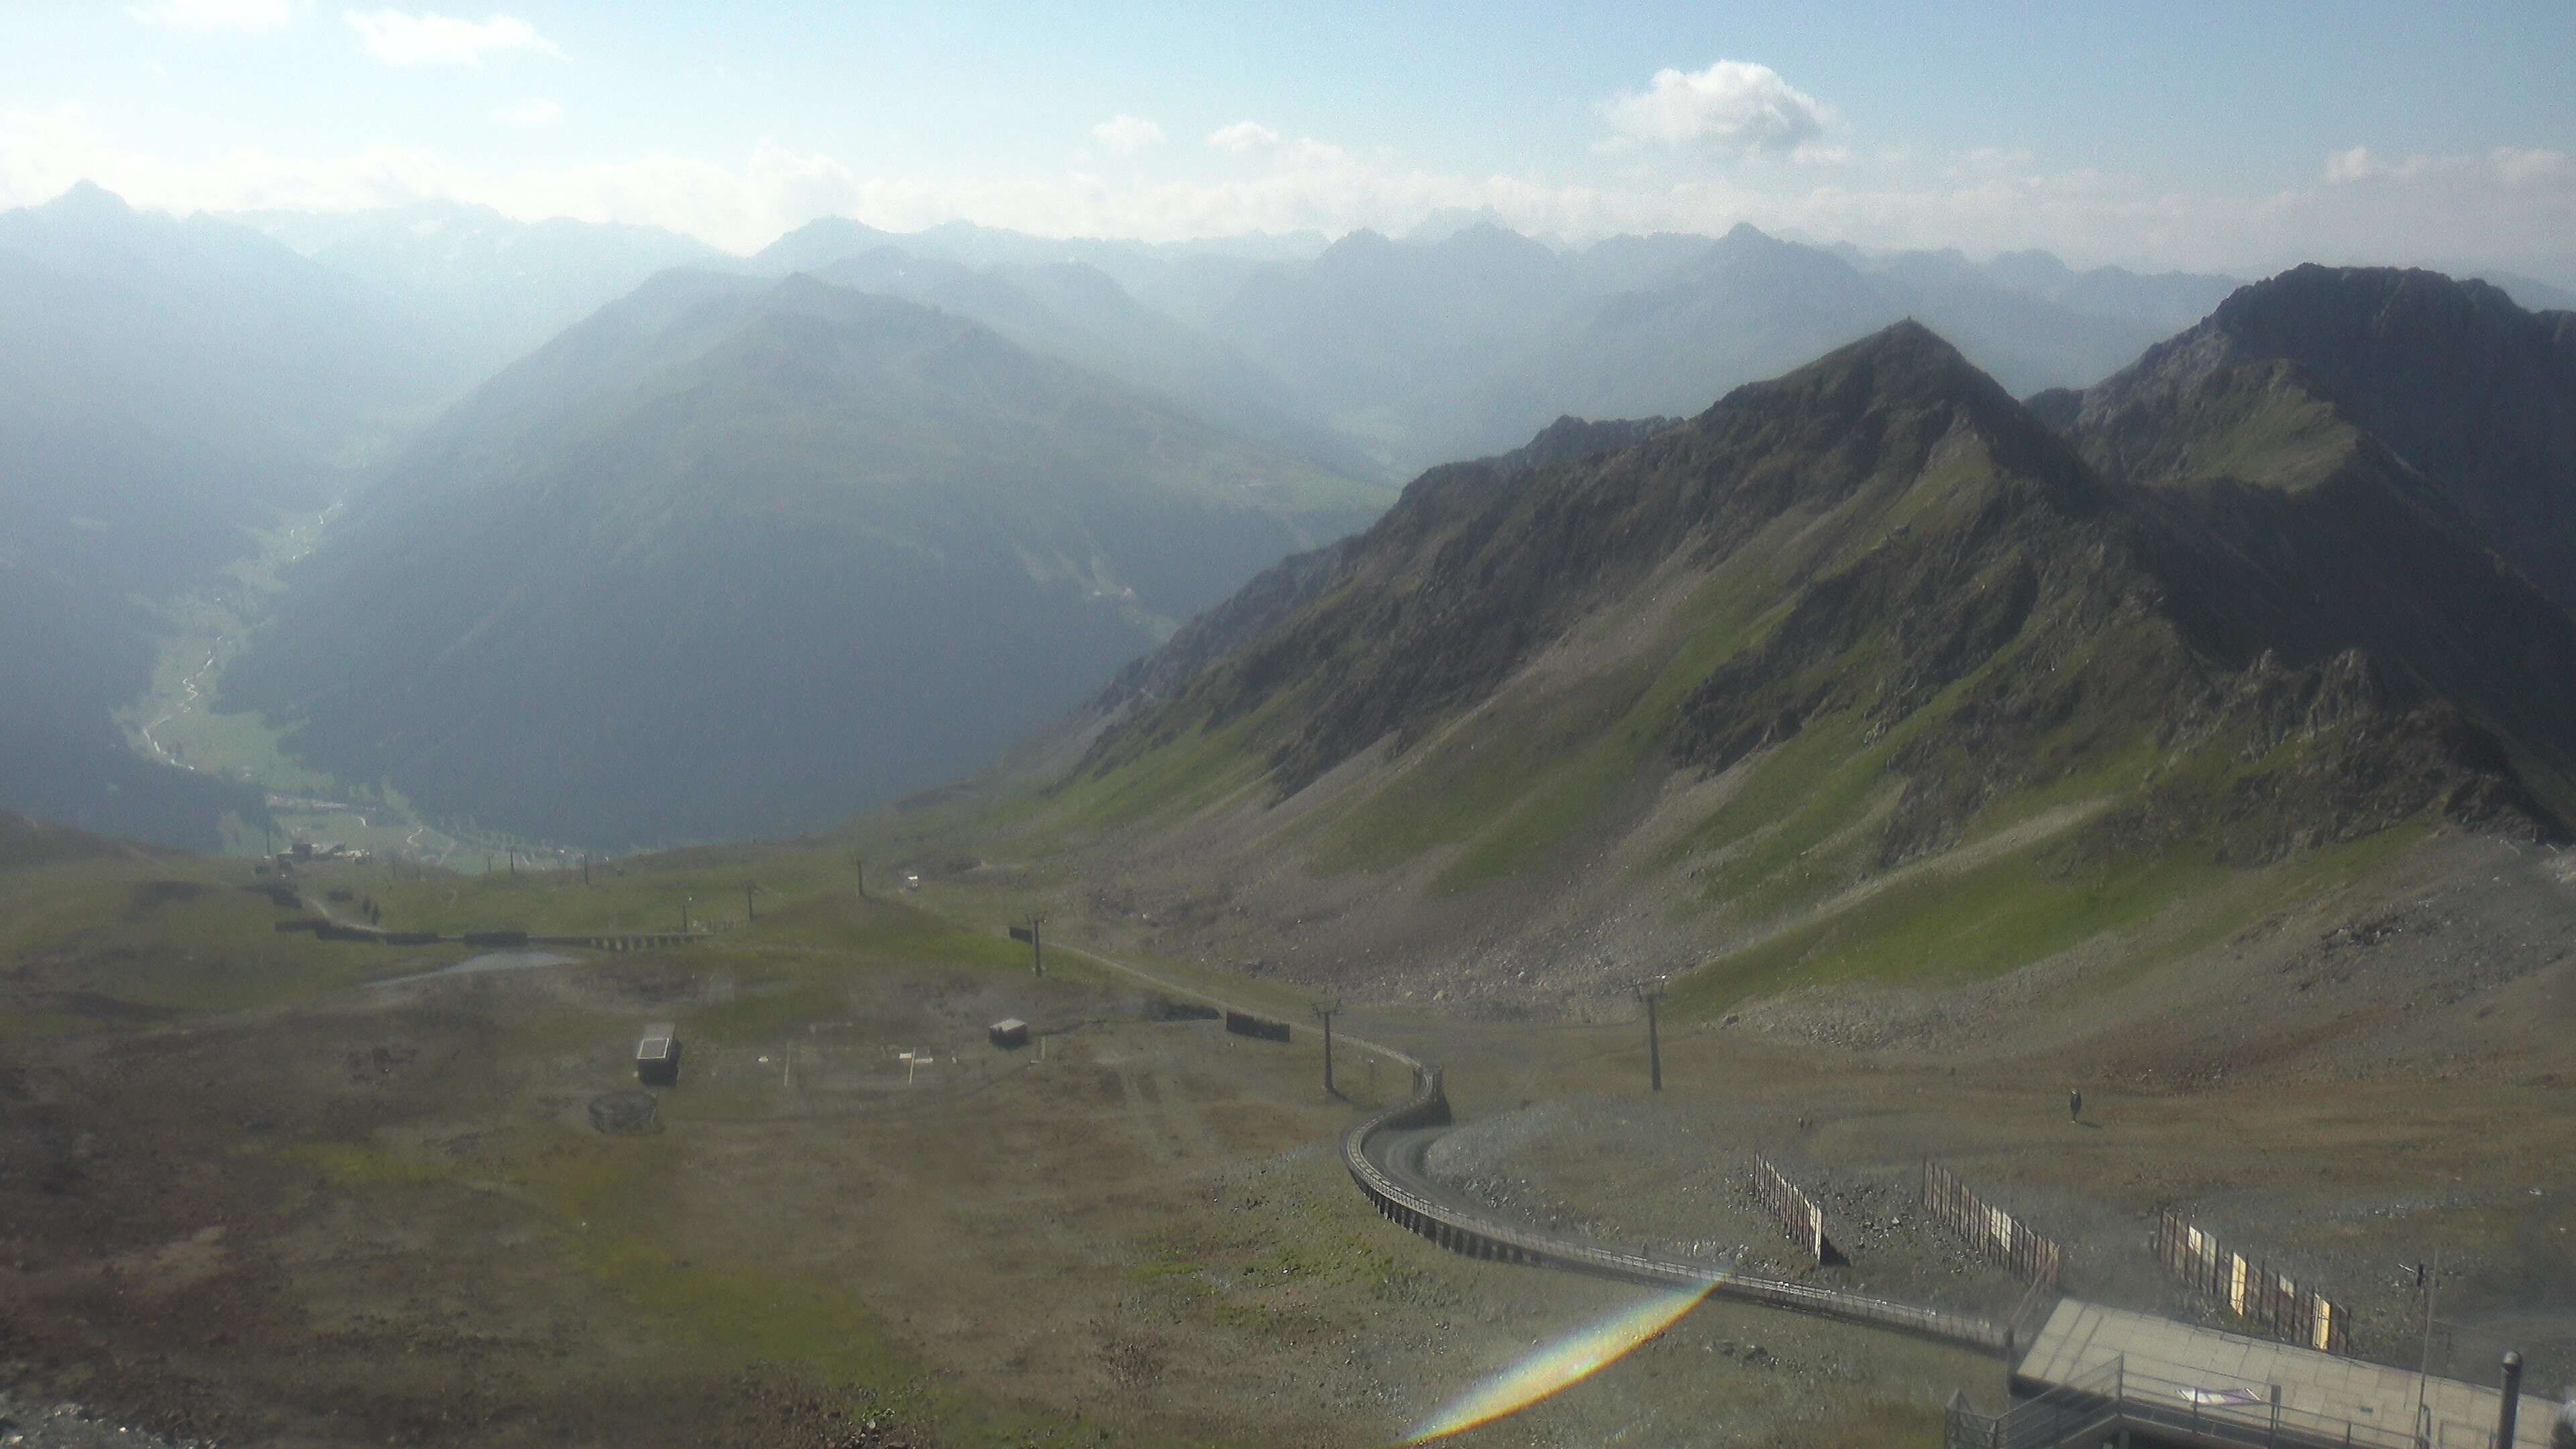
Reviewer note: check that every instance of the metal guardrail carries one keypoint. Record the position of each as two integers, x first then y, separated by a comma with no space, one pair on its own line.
1482,1237
2111,1396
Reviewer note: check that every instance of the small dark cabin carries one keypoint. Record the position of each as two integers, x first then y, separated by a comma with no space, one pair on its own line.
657,1055
1010,1031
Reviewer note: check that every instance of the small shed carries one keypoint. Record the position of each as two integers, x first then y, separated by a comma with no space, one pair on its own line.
657,1055
1010,1031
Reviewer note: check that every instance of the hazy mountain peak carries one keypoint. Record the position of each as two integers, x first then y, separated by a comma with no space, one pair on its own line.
1449,221
818,244
1493,240
1360,243
2312,312
86,198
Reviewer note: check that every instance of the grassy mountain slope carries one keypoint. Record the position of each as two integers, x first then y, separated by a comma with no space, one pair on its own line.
1861,671
739,556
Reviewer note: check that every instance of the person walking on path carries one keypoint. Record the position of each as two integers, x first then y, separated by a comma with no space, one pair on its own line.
2075,1106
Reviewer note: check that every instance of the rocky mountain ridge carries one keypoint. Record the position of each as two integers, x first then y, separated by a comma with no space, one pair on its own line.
1872,614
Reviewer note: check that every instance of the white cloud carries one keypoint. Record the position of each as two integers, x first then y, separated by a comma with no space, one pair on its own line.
2525,166
2350,165
1126,135
2509,166
2361,164
1243,136
213,14
1733,108
535,112
398,38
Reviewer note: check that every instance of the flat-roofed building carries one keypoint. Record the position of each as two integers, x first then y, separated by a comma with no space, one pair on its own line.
657,1055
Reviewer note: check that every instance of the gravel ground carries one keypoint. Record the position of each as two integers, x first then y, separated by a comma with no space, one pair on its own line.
29,1424
1671,1174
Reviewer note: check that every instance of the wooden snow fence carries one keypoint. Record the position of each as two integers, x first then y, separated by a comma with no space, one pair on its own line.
1797,1213
1997,1235
2251,1290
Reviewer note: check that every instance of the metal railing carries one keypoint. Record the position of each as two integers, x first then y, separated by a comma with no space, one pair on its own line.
1479,1236
2112,1396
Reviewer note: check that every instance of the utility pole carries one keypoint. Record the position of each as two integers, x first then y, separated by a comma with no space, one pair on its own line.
2424,1369
1325,1014
1649,992
749,914
1037,947
585,867
861,862
685,900
514,862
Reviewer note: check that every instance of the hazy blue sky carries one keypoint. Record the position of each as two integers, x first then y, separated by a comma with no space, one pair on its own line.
2162,134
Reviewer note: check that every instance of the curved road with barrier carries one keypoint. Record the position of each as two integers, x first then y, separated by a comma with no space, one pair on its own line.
1384,1153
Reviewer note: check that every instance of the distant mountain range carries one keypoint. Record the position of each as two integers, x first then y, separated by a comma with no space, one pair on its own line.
2291,580
738,556
1465,336
483,289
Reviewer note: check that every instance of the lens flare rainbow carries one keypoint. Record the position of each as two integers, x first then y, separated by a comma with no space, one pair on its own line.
1559,1366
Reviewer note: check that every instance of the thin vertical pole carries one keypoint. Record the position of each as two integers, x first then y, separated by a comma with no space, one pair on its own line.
2424,1370
1654,1046
2512,1408
1650,992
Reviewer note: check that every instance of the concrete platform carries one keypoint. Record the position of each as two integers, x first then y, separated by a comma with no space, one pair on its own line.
2231,1377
